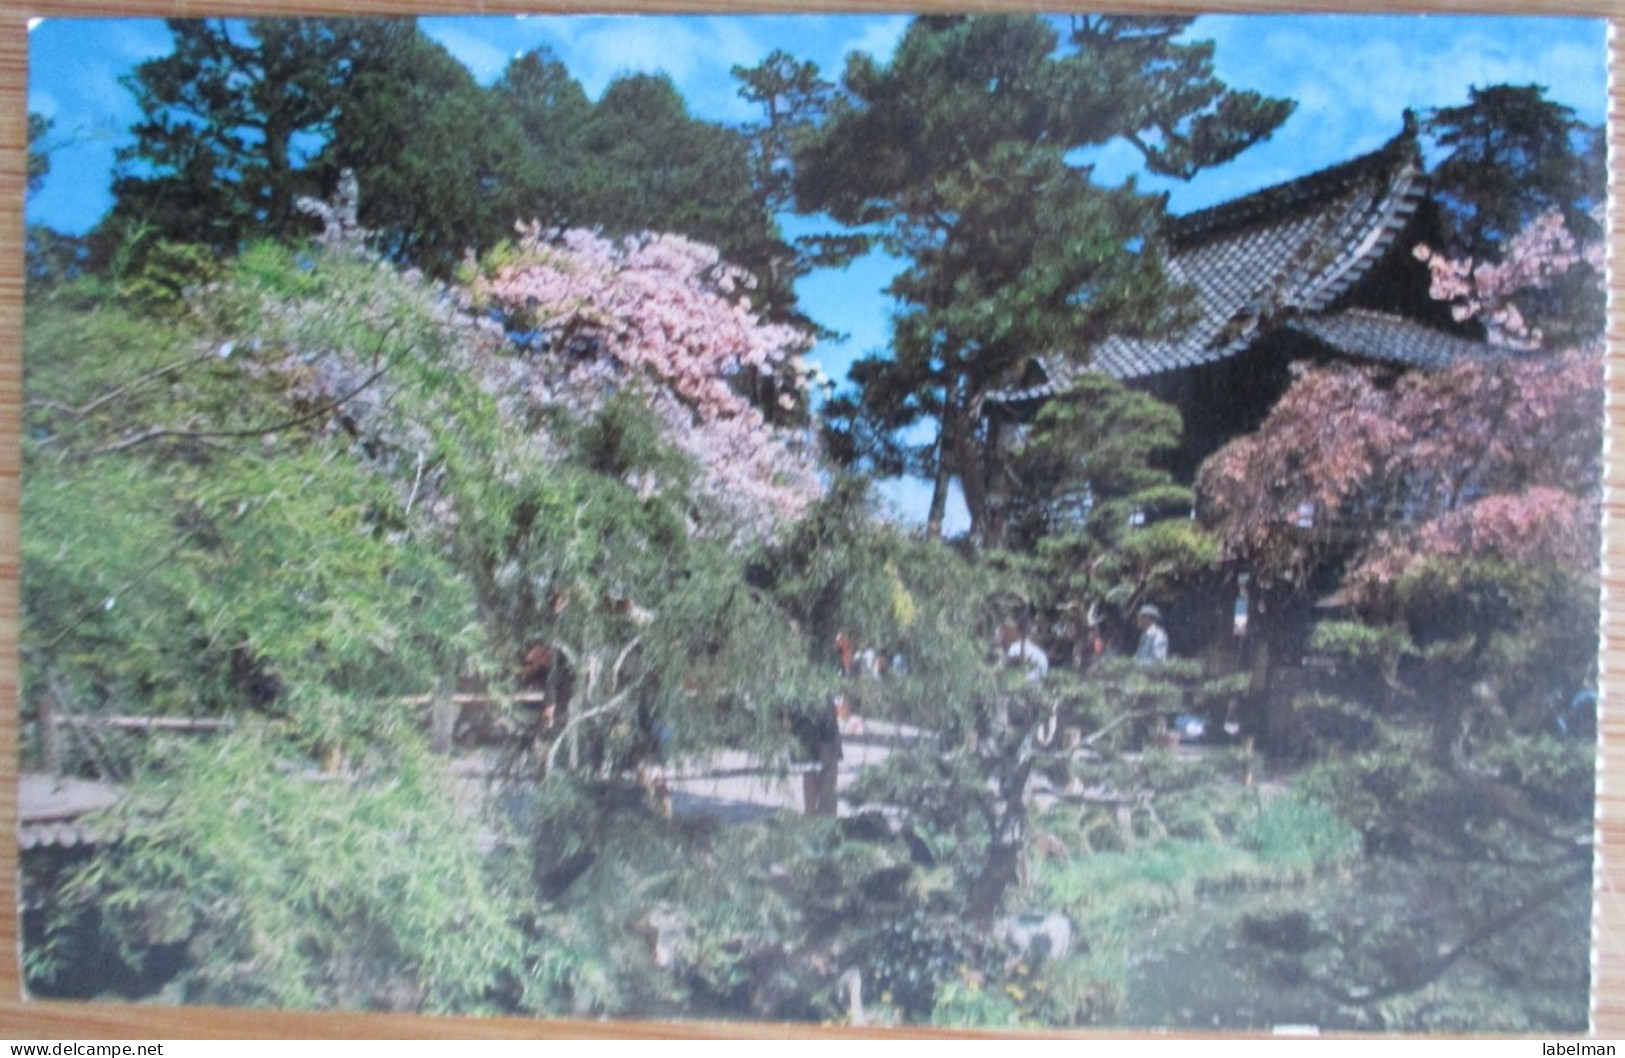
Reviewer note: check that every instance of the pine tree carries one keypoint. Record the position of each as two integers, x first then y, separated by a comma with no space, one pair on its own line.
958,150
229,119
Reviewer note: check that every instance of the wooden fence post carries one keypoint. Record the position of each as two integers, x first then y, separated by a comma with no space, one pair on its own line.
443,710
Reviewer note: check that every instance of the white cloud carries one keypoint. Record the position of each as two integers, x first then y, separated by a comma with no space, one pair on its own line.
484,59
1353,76
42,102
133,41
879,38
1344,67
712,91
613,47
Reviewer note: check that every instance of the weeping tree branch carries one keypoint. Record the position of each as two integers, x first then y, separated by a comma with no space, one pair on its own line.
614,703
157,433
1116,722
112,598
83,410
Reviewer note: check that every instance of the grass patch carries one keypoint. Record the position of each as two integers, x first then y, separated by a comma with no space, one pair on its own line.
1114,897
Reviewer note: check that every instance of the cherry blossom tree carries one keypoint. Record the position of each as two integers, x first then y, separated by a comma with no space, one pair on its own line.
1495,457
1536,259
1455,516
665,316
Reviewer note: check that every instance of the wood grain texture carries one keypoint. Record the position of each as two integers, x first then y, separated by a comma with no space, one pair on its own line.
20,1019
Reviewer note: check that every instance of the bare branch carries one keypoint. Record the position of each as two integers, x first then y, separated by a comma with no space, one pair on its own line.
255,431
1125,718
613,705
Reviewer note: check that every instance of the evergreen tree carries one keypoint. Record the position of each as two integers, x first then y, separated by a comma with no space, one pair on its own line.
1092,519
654,167
794,99
39,157
958,151
1513,155
48,254
551,108
228,121
438,159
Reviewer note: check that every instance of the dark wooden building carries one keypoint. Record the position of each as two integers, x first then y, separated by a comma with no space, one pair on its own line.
1319,268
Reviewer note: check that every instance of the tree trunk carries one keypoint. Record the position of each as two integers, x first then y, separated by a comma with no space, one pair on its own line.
1259,720
278,176
1002,868
957,456
1276,677
49,744
939,487
973,480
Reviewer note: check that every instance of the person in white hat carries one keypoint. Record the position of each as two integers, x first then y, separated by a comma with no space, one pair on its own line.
1153,647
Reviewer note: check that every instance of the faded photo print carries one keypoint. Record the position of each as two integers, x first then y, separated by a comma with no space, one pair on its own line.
1011,522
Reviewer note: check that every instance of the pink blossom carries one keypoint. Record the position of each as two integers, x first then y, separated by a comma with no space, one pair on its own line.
1492,458
1534,257
661,312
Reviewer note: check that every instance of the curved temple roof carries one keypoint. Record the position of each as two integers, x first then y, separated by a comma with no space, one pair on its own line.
1282,256
1371,335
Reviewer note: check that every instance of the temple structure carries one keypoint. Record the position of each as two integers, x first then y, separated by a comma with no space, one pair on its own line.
1319,268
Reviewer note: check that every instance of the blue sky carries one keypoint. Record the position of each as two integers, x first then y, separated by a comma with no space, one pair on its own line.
1352,75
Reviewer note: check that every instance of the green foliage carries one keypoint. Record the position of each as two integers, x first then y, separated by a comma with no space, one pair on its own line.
157,277
966,1003
1095,527
213,160
337,496
437,158
550,107
644,914
318,524
365,892
912,956
1114,897
1468,736
1438,948
655,167
50,257
444,166
1512,155
841,570
794,99
1089,464
257,560
39,156
1298,832
1358,642
957,148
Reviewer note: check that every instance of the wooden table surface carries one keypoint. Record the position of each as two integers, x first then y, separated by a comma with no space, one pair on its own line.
20,1019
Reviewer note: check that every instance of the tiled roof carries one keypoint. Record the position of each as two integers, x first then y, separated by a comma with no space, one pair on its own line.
1392,339
1281,254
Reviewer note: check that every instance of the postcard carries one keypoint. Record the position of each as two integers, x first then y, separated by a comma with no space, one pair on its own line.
991,522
